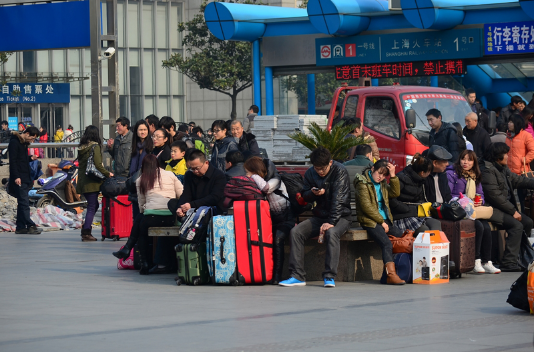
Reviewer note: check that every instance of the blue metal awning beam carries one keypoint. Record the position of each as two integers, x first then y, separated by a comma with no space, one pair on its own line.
343,17
244,22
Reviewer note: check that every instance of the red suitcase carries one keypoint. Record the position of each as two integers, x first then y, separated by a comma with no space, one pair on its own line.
254,241
117,219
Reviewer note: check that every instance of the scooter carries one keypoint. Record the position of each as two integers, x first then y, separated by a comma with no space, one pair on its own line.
53,191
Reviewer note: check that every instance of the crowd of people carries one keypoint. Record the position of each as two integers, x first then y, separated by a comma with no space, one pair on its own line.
171,172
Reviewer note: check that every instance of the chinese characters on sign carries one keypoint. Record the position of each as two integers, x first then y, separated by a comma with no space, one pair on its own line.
35,93
509,38
402,69
372,49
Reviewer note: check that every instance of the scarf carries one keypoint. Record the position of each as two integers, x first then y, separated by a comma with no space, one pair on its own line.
470,187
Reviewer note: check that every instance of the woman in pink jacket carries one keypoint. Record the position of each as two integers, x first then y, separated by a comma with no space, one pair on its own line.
521,152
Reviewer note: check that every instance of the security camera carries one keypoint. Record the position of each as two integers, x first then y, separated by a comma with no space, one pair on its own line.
109,52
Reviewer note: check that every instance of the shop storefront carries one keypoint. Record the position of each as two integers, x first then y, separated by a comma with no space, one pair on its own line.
43,104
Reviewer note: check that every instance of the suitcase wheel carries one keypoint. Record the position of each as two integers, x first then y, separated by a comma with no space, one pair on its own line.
178,248
196,281
103,238
115,238
178,282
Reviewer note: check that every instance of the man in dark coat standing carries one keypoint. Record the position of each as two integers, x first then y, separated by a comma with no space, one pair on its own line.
475,134
443,134
20,181
478,109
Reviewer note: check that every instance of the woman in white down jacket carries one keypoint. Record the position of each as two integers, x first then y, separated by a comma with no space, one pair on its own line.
155,187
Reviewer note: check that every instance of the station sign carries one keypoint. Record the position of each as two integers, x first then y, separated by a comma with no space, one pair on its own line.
402,69
38,93
402,47
509,38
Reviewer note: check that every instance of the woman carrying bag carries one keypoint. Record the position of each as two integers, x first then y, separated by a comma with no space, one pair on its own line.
521,152
91,175
465,177
410,208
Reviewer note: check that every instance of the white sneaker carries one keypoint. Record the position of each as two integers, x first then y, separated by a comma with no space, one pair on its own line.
478,267
490,269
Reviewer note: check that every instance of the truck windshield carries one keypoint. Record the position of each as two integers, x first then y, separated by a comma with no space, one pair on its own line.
453,107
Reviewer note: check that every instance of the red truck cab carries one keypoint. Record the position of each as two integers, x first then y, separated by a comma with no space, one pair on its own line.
384,111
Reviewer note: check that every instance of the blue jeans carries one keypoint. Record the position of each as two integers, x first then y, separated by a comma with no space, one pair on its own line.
92,207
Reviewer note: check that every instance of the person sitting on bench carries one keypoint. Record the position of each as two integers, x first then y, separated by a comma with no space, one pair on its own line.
372,204
498,183
327,184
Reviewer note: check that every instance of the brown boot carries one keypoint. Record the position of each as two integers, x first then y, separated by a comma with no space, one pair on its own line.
86,236
393,278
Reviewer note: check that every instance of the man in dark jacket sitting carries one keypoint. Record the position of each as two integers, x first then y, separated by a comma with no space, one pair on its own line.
443,134
326,183
20,181
234,164
245,141
498,183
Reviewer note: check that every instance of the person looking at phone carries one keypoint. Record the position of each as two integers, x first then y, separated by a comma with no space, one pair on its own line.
327,184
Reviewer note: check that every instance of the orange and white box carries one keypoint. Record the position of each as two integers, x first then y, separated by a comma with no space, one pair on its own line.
431,258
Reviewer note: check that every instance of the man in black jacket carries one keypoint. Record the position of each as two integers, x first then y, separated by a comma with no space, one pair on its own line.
234,164
436,184
326,183
443,134
245,141
510,109
475,134
498,183
203,185
478,109
20,181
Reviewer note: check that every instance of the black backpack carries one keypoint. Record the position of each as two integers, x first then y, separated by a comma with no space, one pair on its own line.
518,296
294,184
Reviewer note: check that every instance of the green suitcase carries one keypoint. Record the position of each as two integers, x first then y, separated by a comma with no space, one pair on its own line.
192,264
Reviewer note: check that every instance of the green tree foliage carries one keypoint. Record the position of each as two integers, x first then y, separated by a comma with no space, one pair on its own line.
4,56
334,141
221,66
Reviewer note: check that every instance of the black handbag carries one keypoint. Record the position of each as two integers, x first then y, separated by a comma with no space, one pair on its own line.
518,296
114,186
91,171
452,211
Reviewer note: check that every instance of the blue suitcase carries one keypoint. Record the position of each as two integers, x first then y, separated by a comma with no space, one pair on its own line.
403,266
221,251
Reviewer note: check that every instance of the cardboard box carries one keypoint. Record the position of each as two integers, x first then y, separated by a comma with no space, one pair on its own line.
431,258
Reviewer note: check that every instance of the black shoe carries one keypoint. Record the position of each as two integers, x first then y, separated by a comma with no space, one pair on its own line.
21,232
511,269
158,270
122,253
144,269
33,230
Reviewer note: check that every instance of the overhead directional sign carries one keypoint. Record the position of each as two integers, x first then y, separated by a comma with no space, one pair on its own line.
509,38
419,46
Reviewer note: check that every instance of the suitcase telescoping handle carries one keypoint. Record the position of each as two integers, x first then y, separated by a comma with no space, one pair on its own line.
223,261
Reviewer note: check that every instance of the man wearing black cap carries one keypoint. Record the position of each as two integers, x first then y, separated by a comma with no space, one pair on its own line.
443,134
436,184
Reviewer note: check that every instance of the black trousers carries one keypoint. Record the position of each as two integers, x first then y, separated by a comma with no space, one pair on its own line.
515,230
23,205
378,234
482,241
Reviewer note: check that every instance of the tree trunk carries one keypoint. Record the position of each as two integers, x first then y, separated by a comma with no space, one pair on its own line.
233,114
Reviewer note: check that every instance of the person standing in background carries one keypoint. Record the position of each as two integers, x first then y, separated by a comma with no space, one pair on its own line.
120,148
248,122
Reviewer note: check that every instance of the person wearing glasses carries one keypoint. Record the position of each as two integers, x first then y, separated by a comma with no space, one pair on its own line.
20,181
327,184
162,148
222,145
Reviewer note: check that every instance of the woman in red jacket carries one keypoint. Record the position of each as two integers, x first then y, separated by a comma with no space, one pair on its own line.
521,152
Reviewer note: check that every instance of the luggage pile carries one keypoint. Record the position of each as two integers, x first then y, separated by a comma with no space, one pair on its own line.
238,248
53,217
